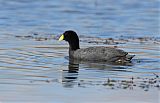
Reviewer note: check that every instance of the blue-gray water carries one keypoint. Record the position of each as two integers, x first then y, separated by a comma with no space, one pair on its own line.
33,67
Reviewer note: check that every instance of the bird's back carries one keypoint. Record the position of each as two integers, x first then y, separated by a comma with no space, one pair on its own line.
98,54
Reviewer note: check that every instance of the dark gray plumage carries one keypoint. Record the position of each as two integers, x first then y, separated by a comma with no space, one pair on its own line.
103,54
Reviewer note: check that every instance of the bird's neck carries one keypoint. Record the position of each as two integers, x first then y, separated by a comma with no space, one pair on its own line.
73,46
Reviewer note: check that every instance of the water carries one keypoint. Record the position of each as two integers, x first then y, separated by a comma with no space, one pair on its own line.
33,63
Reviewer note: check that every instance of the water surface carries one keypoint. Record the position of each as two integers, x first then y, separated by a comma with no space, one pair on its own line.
33,63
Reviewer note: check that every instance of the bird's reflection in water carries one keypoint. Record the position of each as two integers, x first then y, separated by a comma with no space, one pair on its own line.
70,75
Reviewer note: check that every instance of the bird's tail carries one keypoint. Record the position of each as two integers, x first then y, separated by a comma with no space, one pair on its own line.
129,57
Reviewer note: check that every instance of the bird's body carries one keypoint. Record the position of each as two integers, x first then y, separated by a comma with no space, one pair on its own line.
102,54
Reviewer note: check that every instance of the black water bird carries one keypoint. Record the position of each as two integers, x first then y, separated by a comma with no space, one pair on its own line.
96,54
